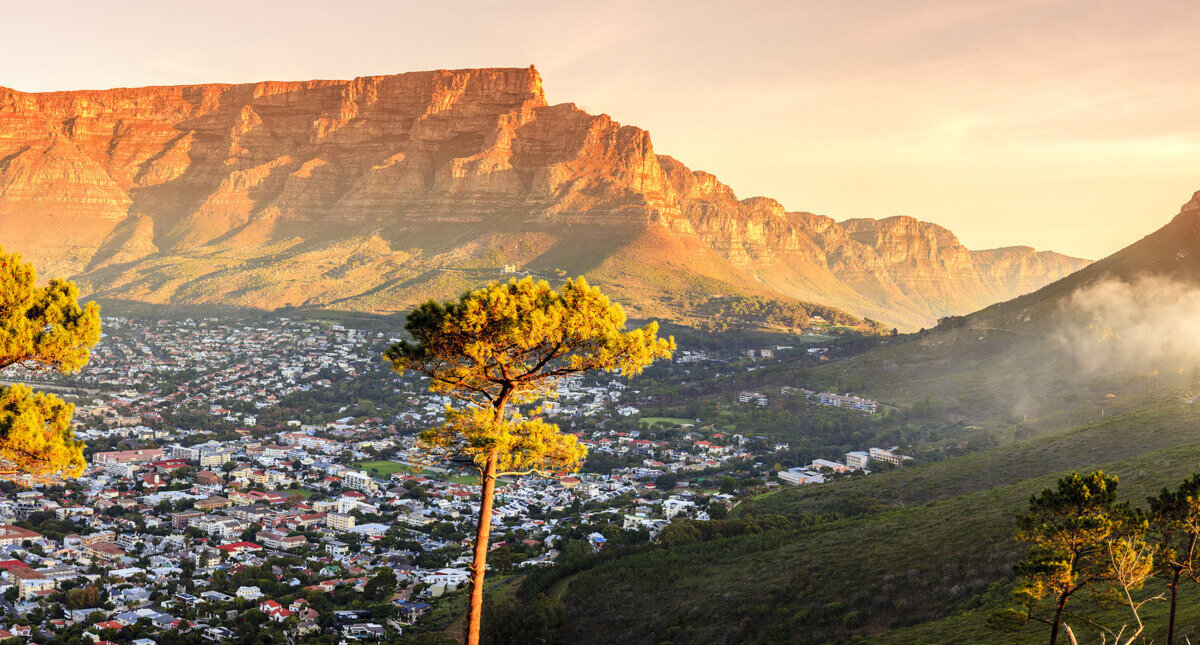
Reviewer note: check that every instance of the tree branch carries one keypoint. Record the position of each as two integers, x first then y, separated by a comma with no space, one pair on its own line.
521,473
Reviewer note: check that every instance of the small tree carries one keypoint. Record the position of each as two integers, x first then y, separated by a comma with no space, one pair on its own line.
1067,528
381,586
503,346
1175,530
1080,536
41,328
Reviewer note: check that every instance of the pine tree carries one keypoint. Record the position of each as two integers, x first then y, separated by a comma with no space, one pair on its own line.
507,345
1081,538
1175,529
41,328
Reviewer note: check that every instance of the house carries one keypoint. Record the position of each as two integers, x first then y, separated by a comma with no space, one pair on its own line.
209,478
9,565
450,577
249,593
274,610
131,596
410,611
238,548
364,631
276,540
217,596
219,634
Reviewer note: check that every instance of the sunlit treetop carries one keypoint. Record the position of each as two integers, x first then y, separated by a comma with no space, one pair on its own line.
520,444
511,342
41,328
36,435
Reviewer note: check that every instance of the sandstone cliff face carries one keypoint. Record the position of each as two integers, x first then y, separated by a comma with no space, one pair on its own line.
381,191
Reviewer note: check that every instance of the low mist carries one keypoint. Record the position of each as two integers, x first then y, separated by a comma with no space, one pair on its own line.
1150,323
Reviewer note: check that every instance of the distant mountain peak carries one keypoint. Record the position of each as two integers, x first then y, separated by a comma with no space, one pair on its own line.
382,191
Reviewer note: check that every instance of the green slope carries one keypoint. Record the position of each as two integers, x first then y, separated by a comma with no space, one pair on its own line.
934,559
934,553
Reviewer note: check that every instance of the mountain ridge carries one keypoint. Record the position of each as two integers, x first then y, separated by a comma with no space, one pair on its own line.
376,192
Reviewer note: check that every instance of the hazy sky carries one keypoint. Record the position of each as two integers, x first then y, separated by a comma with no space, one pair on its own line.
1072,125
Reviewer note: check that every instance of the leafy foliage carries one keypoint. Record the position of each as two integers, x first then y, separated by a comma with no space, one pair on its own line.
1174,527
517,339
509,344
1080,536
520,443
41,328
536,621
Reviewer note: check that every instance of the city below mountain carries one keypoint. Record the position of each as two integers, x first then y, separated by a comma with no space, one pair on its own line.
782,468
381,192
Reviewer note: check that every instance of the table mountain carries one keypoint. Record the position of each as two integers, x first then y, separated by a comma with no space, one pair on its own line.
376,193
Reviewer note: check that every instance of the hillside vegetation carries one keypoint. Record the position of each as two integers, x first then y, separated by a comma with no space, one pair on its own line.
1097,371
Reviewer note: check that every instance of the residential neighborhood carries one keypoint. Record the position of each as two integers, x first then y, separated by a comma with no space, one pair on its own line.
235,481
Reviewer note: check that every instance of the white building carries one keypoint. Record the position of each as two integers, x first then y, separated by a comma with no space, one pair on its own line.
801,476
358,480
879,454
825,464
249,593
858,459
753,397
848,401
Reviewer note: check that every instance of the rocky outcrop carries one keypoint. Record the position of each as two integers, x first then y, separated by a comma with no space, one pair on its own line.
380,191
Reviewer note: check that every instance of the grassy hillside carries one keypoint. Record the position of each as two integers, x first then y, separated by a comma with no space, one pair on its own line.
936,555
1097,370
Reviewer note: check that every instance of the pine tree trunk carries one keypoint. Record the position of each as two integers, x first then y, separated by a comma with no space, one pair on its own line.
1171,619
1058,615
475,611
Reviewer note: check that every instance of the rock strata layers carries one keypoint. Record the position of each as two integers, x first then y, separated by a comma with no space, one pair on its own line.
376,193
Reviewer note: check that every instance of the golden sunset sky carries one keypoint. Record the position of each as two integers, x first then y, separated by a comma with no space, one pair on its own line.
1063,124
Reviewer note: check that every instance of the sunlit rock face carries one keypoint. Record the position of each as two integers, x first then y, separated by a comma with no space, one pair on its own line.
378,192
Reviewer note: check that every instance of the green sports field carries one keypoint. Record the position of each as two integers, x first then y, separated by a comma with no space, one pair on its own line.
383,468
